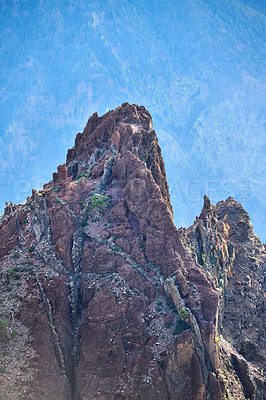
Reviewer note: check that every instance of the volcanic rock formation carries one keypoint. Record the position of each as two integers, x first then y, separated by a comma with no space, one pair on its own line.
103,298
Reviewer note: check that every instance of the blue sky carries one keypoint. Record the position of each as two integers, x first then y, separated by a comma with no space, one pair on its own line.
197,65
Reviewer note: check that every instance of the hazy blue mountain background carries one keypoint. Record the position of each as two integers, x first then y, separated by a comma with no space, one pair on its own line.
197,65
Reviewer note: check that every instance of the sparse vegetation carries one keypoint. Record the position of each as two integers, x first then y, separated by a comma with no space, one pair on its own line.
3,326
81,176
82,204
117,248
13,274
184,314
170,304
180,327
168,324
98,202
13,334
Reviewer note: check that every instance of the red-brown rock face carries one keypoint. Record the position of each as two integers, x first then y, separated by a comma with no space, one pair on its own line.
97,290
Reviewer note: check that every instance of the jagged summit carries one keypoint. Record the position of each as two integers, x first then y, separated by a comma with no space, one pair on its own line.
107,300
231,212
112,128
127,131
223,242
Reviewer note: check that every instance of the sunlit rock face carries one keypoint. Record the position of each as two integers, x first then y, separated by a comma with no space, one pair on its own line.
101,296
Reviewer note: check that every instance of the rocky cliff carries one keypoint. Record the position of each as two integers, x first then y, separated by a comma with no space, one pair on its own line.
103,298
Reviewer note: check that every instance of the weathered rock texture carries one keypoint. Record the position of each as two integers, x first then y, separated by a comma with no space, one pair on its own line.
102,298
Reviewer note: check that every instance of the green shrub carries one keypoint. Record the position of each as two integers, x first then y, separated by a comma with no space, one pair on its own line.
117,248
142,246
3,325
13,274
13,334
184,314
168,324
16,255
81,176
180,327
170,304
25,221
98,202
31,249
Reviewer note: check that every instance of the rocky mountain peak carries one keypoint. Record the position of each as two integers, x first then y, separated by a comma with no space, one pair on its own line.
123,128
107,300
207,208
232,212
125,131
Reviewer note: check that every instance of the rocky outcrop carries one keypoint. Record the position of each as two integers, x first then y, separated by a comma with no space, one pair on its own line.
222,241
105,298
